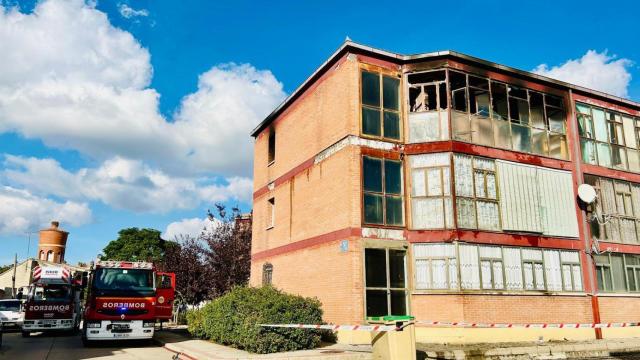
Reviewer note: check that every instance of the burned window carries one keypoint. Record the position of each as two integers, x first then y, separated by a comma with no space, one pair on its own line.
272,146
428,117
382,191
380,105
267,274
385,282
476,193
431,201
615,216
608,138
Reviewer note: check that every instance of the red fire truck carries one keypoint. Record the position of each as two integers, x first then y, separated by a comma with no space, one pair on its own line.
53,301
124,300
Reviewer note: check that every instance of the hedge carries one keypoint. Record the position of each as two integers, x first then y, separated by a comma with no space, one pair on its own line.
233,319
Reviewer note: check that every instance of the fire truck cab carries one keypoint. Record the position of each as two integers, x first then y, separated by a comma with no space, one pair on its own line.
124,300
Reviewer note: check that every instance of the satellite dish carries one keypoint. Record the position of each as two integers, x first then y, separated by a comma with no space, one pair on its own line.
587,193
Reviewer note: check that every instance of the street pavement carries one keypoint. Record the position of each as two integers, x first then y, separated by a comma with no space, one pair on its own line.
69,347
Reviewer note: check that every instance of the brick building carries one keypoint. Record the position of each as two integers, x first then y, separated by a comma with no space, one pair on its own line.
444,186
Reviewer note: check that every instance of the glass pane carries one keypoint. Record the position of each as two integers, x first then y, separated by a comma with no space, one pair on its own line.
394,210
539,276
377,303
615,133
604,154
521,138
519,110
499,107
371,122
599,275
466,213
634,162
372,172
398,302
528,276
390,97
480,185
618,157
418,184
498,277
391,125
396,268
588,149
556,119
577,278
458,84
539,143
617,270
373,209
600,125
566,277
581,108
485,272
584,126
491,186
375,267
558,146
488,218
479,102
502,134
629,132
537,110
434,182
392,177
481,130
461,126
439,273
370,88
607,278
631,279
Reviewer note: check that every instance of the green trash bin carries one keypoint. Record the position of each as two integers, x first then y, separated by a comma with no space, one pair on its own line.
398,344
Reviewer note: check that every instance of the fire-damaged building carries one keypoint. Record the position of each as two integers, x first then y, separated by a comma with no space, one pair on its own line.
445,187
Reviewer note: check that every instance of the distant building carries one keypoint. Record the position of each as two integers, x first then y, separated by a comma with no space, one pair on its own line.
444,186
52,244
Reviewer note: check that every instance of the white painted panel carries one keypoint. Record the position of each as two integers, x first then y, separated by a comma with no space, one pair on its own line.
434,250
423,274
570,256
519,201
426,160
427,213
557,201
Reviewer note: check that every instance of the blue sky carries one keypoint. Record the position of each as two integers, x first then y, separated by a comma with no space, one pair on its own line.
137,112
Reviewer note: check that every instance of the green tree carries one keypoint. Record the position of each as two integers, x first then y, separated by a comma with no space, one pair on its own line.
135,244
4,268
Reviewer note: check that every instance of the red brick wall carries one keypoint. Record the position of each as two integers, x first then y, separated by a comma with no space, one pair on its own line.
619,309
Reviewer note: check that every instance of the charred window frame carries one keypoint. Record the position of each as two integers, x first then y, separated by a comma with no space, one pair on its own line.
491,113
272,147
382,192
477,196
267,274
428,106
618,208
608,138
380,106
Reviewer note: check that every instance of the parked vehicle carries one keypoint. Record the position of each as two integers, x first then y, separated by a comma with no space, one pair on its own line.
125,299
11,315
53,301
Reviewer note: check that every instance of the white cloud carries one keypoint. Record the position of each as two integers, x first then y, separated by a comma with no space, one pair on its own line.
128,12
22,211
87,90
594,70
123,184
189,227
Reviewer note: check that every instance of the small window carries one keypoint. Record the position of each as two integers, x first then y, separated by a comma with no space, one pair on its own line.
267,274
272,146
271,213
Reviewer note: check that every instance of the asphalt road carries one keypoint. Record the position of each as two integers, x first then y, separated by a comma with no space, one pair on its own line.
63,347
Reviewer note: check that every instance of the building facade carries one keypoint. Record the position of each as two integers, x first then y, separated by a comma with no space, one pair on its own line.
444,186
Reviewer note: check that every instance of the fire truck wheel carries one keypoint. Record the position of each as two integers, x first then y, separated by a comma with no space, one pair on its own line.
26,334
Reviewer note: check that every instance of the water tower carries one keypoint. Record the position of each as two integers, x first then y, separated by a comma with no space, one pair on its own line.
52,244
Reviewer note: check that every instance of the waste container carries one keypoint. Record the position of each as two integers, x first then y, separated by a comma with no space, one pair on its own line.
398,344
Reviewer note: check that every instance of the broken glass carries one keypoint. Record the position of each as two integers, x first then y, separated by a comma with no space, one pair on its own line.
500,109
537,110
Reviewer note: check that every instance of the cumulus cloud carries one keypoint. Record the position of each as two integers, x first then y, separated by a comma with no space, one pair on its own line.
594,70
88,90
122,184
22,211
193,227
128,12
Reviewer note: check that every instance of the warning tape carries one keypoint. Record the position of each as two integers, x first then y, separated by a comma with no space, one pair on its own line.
531,326
335,327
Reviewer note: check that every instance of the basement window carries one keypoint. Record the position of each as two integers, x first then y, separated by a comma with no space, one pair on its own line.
382,191
380,98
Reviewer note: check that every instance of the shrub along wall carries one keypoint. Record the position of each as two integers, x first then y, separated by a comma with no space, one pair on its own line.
233,319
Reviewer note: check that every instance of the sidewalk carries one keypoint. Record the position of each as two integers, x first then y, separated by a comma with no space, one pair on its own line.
179,342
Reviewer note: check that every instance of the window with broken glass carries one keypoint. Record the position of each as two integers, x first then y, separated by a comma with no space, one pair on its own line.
382,191
380,98
491,113
615,216
608,138
428,115
618,272
460,266
476,189
431,204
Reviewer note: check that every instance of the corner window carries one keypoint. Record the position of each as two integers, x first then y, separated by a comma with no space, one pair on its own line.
382,191
380,97
272,146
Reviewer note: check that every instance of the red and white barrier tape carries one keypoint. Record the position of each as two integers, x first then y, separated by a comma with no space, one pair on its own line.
334,327
531,326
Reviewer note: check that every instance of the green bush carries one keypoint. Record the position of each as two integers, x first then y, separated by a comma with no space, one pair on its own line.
233,319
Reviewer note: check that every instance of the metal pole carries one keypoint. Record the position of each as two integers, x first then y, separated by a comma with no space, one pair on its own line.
13,278
29,245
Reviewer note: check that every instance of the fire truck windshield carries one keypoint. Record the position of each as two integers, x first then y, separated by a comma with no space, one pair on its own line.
51,293
116,280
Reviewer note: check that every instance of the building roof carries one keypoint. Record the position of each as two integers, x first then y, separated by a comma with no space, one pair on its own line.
353,47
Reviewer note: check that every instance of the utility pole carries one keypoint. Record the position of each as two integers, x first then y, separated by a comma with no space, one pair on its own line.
13,278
